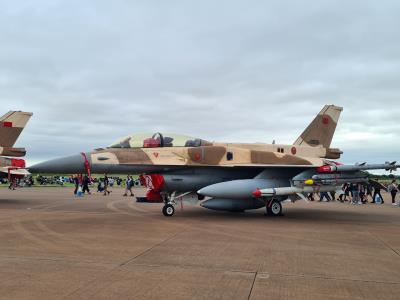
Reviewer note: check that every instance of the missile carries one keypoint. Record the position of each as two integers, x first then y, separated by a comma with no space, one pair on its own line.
283,191
338,179
341,181
358,167
292,190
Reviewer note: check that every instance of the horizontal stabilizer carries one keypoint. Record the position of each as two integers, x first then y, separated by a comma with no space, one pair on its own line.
14,152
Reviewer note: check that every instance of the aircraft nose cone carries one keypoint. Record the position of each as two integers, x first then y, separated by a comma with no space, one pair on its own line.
64,165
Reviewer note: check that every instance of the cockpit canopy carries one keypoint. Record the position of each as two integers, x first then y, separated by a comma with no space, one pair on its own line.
156,140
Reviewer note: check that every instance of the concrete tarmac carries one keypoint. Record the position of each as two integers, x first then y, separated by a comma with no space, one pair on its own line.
56,246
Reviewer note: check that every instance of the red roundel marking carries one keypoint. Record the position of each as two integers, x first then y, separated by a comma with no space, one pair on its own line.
197,156
294,150
325,120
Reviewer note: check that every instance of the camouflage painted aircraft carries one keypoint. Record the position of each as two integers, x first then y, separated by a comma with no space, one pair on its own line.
228,176
11,126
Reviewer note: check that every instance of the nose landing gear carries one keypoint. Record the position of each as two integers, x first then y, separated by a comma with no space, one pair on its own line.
169,202
168,210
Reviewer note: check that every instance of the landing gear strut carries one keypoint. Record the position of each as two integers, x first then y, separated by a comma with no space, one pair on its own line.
274,208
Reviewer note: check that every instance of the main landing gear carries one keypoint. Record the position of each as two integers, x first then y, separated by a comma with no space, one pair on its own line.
274,208
170,201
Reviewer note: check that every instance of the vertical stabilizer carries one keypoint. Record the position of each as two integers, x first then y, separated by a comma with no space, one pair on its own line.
321,130
11,126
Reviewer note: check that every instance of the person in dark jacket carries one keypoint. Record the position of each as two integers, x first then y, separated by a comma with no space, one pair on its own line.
85,184
377,191
393,188
369,191
76,183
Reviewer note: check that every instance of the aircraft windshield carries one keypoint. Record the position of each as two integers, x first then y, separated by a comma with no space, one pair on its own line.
158,140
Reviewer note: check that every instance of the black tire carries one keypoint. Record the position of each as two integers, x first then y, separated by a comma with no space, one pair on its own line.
168,210
274,208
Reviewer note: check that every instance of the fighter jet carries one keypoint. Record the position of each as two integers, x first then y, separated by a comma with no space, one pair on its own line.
11,126
225,176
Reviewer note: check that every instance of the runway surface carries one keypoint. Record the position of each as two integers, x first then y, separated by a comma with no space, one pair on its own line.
55,246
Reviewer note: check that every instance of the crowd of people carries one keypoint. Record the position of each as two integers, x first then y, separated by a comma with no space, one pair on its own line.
358,193
82,184
15,182
353,193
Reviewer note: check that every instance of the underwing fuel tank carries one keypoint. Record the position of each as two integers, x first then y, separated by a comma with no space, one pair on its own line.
240,189
235,205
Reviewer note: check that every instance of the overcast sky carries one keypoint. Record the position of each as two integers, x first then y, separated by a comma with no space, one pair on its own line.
240,71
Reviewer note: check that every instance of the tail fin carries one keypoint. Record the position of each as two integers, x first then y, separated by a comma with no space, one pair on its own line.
320,132
11,126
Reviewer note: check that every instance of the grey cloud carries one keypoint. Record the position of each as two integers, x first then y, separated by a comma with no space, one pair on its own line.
228,70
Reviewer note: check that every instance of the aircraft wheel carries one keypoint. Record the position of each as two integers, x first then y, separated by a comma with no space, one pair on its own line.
274,208
168,210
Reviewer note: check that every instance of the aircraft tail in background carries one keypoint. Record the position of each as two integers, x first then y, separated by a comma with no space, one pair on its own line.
11,126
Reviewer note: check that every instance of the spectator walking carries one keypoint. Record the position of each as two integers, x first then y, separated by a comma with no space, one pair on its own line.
85,184
355,188
369,192
333,195
106,184
129,185
343,193
363,193
100,185
393,188
75,180
377,192
347,192
111,182
13,183
310,196
324,195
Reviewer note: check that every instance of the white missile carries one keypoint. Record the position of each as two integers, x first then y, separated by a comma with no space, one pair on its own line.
292,190
390,166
